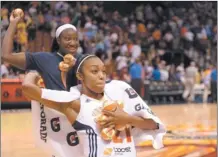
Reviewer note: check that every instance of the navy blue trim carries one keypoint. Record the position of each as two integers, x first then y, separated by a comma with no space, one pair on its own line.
108,81
91,135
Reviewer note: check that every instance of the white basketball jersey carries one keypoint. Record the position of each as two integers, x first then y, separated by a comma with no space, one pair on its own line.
53,132
89,135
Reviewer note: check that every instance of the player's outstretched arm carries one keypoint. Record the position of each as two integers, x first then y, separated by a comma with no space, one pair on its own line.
16,59
33,92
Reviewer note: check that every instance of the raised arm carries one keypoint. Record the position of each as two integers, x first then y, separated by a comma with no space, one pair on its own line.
16,59
33,92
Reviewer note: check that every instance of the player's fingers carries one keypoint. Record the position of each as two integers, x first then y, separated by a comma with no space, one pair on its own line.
111,127
108,113
109,121
63,67
108,124
68,58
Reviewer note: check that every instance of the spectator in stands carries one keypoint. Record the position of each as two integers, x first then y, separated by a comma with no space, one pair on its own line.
156,75
153,26
12,74
136,50
22,36
164,73
172,73
4,70
206,80
148,70
198,78
136,75
124,75
190,74
115,76
4,20
213,83
121,62
180,72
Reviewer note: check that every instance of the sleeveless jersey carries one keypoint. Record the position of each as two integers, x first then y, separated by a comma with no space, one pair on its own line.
89,134
90,142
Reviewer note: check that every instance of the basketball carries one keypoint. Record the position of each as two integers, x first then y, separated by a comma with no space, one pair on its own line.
107,135
100,118
18,12
110,106
68,58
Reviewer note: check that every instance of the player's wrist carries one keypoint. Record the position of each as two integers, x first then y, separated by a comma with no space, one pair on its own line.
13,24
131,120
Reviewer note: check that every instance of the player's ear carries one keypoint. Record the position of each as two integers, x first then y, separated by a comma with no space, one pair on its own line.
58,40
79,76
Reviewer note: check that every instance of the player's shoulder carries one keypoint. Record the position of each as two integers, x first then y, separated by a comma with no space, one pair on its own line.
41,54
118,83
121,86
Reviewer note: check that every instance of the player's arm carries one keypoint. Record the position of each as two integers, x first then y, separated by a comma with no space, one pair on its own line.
16,59
139,114
120,117
33,92
142,123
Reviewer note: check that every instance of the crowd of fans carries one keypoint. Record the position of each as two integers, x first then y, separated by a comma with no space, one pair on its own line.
131,44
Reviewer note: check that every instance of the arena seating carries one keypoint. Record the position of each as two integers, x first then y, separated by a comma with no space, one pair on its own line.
165,92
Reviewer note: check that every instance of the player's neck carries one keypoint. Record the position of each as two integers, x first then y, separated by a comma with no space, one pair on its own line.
61,52
91,94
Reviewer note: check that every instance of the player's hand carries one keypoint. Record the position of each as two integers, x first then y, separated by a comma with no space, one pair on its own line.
70,60
15,19
119,117
64,67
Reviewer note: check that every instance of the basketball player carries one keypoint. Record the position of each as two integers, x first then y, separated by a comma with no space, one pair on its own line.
90,70
47,64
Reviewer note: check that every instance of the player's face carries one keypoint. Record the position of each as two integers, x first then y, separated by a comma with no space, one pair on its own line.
68,41
94,74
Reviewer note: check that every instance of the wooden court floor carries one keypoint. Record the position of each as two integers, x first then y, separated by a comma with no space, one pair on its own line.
17,139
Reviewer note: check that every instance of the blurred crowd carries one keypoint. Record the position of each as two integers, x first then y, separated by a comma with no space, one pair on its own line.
132,43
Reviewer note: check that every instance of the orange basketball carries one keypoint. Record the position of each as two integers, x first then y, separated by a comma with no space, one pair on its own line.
18,12
68,58
110,106
107,135
40,83
121,105
100,118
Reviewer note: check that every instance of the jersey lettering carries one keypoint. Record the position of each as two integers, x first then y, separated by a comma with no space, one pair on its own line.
55,124
131,93
72,139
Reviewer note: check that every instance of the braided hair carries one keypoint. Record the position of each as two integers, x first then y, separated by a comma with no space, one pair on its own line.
55,46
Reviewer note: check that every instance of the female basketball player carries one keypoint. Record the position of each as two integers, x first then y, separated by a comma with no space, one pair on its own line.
47,64
91,72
